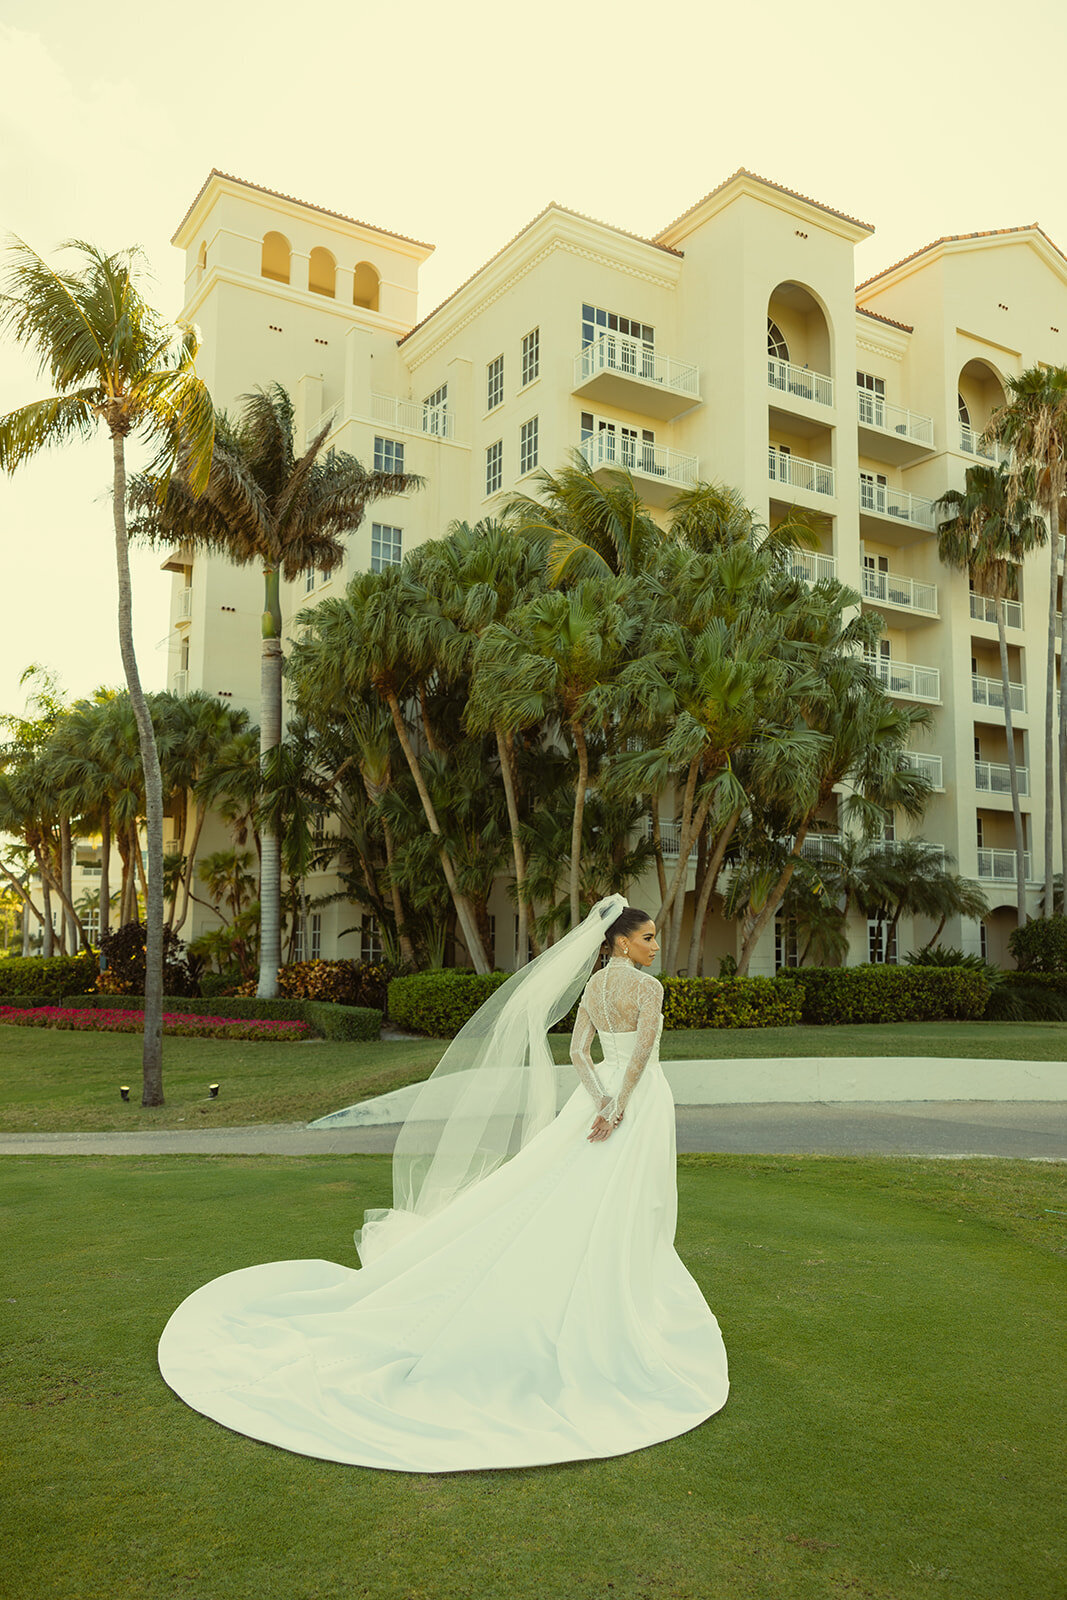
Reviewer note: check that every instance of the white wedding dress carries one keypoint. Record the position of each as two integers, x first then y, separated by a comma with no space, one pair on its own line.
542,1316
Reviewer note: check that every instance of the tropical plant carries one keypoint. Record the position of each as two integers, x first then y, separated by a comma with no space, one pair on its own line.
112,360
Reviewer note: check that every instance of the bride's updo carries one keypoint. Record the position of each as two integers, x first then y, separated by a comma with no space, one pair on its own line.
625,923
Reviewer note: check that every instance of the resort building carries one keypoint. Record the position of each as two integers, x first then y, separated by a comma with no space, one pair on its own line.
735,346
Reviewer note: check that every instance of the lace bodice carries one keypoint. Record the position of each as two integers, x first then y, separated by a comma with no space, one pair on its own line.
620,998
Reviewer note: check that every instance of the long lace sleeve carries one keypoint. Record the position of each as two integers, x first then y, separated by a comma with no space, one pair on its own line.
649,1011
581,1057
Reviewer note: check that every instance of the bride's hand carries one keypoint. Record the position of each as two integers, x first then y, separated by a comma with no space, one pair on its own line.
602,1129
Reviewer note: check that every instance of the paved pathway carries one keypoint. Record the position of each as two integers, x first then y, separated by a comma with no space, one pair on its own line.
1032,1129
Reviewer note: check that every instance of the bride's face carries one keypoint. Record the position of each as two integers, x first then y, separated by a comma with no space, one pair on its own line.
641,946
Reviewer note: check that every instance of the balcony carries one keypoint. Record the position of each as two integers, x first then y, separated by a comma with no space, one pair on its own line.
180,684
185,604
928,767
972,444
914,511
811,566
618,371
826,847
984,609
892,433
800,382
905,681
990,692
813,476
662,471
670,837
993,777
1000,864
904,594
412,416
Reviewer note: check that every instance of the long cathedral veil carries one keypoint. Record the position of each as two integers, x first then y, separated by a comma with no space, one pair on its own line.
491,1092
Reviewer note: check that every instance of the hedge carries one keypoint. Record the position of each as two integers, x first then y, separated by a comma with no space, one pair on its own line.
1040,945
327,1021
439,1003
891,994
346,983
48,978
121,1019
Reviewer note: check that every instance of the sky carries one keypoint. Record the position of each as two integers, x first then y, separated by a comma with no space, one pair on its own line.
456,124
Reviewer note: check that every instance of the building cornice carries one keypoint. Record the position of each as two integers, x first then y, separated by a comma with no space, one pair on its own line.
743,183
283,293
1032,236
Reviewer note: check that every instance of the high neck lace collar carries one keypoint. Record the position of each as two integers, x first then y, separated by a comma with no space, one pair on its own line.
619,961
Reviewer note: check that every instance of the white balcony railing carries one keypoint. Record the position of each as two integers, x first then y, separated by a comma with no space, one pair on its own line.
181,683
875,412
886,501
185,604
827,846
972,443
608,449
412,416
811,566
670,837
800,381
984,609
905,680
612,352
814,476
990,692
994,777
329,419
1001,864
893,590
928,767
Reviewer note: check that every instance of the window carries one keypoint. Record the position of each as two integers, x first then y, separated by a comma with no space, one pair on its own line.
494,383
965,415
871,399
494,467
91,923
274,257
881,942
515,946
873,487
434,409
776,345
370,939
365,283
528,446
614,442
388,455
322,272
983,941
314,938
384,546
785,943
531,356
596,322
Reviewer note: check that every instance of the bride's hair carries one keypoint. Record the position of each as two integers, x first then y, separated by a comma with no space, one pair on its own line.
627,922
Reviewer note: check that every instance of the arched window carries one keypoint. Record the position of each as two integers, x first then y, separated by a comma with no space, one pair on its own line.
322,272
965,415
274,262
201,260
776,345
365,283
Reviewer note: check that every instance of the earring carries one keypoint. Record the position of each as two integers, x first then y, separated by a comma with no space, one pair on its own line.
626,949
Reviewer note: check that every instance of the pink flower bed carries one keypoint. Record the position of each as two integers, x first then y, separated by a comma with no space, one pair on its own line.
92,1020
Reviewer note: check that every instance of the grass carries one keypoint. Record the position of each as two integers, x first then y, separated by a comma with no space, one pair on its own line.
65,1082
895,1330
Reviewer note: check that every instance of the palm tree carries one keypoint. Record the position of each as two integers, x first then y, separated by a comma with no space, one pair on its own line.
586,526
112,360
263,503
989,534
1033,426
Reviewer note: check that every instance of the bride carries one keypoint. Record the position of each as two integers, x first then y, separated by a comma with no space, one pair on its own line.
521,1302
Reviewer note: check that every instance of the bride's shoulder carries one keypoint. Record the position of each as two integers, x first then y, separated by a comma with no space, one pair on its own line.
650,984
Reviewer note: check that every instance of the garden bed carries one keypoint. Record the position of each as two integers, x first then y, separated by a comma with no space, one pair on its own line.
98,1020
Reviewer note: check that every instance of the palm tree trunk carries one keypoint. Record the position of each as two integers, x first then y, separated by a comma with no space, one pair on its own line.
66,875
21,890
579,812
141,876
657,845
190,868
270,737
685,844
407,949
105,881
463,910
504,745
707,888
152,1054
48,941
1054,519
1013,776
1050,706
774,900
71,918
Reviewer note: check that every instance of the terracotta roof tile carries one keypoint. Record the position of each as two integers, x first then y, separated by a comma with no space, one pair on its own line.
743,172
552,206
307,204
878,317
955,238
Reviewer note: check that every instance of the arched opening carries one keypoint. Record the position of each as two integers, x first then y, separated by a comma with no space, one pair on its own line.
796,323
322,272
980,393
365,283
274,262
201,260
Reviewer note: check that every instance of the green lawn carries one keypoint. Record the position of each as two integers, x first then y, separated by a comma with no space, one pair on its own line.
52,1081
894,1431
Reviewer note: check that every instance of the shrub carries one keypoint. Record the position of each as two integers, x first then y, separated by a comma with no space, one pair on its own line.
1028,997
439,1003
47,978
342,1022
731,1002
325,1021
345,983
125,953
892,994
1041,946
122,1019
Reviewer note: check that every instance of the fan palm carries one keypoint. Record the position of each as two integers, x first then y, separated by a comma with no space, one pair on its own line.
113,361
585,525
992,528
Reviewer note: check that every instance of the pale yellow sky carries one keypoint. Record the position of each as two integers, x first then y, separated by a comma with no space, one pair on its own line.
456,124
